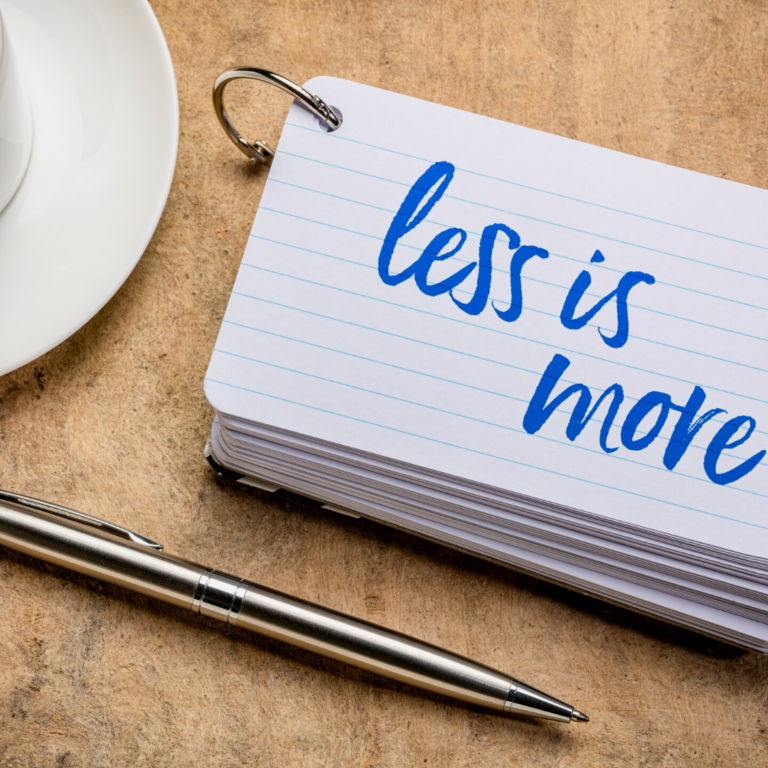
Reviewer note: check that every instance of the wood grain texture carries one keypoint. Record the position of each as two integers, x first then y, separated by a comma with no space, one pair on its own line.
113,421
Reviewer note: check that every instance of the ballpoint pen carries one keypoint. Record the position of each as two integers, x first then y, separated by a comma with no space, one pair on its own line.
96,548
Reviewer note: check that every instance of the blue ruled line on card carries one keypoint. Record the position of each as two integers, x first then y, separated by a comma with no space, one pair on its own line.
555,194
558,255
413,247
493,330
635,307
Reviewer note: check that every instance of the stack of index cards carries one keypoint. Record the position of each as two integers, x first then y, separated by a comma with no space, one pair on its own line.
543,352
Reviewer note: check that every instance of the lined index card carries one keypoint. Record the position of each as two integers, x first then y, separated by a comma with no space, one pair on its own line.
509,309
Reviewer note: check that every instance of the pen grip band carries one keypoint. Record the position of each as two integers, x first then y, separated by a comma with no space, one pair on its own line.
219,596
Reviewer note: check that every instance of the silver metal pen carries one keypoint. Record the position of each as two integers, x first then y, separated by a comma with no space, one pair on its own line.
108,552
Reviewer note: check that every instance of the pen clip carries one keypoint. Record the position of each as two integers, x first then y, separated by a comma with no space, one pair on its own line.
79,517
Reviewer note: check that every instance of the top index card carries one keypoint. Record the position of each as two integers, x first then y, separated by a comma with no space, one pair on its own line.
510,309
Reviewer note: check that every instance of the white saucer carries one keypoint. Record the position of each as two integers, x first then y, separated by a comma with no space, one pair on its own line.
100,80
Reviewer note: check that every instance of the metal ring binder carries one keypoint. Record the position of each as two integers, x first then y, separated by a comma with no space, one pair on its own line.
260,151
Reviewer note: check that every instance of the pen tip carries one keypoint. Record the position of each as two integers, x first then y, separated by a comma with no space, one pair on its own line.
580,716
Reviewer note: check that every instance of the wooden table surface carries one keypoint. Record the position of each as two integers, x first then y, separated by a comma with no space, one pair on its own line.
114,420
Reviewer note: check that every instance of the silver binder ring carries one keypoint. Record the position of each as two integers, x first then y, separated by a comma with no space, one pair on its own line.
260,151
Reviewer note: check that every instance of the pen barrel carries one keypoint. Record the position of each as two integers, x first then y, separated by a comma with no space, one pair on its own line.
370,647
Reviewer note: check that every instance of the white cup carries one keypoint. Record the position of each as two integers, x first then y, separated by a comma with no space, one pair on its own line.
15,122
